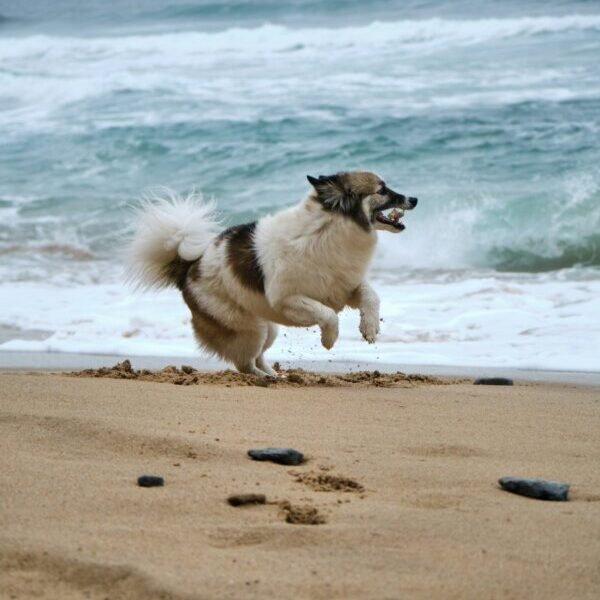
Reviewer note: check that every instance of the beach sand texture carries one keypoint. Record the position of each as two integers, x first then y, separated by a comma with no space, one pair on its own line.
423,516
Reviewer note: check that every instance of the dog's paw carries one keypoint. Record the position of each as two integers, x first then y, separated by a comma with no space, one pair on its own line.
329,334
369,328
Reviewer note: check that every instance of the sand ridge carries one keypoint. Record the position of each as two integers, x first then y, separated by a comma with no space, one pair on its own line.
326,482
187,375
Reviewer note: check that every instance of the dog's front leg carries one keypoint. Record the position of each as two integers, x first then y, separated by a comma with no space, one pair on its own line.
303,311
366,300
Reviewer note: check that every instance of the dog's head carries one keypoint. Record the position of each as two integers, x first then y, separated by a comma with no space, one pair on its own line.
363,197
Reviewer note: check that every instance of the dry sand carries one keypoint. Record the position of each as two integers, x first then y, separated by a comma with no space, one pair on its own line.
398,498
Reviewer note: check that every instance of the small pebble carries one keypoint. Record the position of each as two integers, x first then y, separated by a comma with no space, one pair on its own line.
536,488
282,456
493,381
242,499
150,481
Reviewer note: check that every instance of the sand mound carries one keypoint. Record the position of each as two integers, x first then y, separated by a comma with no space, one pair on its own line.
187,375
322,482
302,514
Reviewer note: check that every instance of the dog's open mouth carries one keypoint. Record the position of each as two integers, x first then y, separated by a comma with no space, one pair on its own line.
392,219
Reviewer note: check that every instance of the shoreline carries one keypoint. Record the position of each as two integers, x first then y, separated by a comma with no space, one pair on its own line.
63,361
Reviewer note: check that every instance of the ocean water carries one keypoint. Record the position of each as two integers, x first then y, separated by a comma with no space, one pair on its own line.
488,112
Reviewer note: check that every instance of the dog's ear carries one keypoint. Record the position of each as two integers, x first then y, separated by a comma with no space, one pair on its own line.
330,191
322,180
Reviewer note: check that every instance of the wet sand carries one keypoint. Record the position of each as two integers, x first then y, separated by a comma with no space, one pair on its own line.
398,497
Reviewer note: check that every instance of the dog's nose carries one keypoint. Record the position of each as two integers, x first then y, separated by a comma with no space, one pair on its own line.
413,202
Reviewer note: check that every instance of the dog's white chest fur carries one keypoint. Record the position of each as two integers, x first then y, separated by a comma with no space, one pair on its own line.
305,250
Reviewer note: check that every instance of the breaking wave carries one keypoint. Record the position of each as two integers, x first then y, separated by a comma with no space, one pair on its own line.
530,235
271,37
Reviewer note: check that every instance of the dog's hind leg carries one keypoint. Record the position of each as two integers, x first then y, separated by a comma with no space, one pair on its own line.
241,347
250,368
263,366
303,311
245,350
260,361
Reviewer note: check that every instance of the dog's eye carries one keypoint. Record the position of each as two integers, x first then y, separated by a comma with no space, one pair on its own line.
382,191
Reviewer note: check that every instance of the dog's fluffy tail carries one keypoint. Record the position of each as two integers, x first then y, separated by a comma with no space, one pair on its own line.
172,231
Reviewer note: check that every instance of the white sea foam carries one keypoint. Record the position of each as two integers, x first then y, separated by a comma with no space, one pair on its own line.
545,322
43,74
271,37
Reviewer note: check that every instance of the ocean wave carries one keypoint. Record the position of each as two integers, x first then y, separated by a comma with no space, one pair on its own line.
506,234
63,250
77,83
187,108
567,254
435,32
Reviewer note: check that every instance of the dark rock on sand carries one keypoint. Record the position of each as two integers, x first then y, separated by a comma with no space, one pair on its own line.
150,481
493,381
282,456
536,488
243,499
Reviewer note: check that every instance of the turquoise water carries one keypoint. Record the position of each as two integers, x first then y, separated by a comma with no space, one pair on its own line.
488,112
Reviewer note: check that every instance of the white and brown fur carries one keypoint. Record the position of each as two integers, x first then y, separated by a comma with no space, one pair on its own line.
298,267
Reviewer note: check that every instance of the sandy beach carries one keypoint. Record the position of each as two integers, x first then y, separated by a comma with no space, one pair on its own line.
402,477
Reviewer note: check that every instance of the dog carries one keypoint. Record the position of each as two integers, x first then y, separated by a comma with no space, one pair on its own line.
298,267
